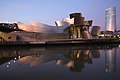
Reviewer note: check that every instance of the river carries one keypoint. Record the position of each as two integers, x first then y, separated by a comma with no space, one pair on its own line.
64,62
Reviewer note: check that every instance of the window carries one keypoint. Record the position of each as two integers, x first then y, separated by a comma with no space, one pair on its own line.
9,37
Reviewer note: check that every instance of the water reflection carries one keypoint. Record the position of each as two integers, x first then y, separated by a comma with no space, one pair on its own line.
74,57
77,59
110,60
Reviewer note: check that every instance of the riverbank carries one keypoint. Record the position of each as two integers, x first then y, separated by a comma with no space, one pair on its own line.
61,42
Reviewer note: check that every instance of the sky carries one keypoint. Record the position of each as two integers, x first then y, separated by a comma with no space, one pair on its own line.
49,11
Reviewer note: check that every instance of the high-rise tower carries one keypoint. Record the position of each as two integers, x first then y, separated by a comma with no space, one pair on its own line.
110,19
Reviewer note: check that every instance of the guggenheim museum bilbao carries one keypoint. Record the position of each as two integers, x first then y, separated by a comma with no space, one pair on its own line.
68,28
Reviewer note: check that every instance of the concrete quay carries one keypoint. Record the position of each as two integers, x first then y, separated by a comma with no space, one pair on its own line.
61,42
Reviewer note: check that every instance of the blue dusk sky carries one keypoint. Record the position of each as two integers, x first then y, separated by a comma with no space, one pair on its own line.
49,11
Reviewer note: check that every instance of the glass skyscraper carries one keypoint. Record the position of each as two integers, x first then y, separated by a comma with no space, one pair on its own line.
110,19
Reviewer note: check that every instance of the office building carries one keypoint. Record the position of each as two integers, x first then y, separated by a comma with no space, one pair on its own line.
110,19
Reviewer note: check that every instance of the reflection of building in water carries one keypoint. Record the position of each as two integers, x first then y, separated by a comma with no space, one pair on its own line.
110,60
42,58
78,59
95,54
66,62
74,58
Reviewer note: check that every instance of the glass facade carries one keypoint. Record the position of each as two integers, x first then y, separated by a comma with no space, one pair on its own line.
110,19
